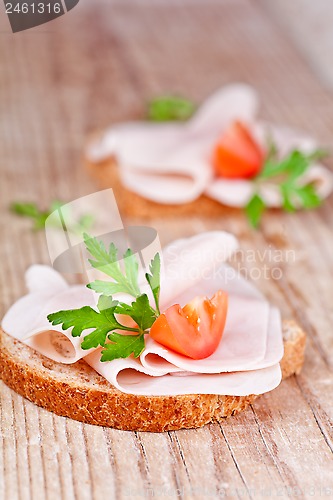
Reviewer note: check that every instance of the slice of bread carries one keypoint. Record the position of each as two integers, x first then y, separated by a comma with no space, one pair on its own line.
130,204
78,392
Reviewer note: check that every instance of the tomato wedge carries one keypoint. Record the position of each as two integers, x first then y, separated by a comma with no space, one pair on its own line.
237,155
194,330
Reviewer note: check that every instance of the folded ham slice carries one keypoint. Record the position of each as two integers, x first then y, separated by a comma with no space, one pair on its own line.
251,347
171,163
133,378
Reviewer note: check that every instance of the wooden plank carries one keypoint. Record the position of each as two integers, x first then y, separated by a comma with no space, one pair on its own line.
317,19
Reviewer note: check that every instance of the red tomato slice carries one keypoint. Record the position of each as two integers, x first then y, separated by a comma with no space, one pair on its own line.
237,155
194,330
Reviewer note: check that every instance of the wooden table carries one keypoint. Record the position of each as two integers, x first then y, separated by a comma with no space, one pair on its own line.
94,66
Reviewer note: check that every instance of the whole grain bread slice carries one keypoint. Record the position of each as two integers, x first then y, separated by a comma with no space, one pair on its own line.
78,392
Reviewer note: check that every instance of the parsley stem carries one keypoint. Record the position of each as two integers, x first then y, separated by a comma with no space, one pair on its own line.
129,329
157,310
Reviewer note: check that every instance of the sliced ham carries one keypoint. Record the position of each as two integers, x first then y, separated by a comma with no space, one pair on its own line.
171,163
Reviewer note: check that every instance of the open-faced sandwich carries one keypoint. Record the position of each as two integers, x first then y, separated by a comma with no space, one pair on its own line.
181,343
223,156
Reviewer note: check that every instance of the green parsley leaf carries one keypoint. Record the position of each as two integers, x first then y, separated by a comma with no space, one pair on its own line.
27,209
140,311
32,211
123,346
254,210
293,165
286,174
86,221
308,196
103,321
154,279
131,269
272,151
169,108
107,288
105,302
287,198
55,205
107,262
318,154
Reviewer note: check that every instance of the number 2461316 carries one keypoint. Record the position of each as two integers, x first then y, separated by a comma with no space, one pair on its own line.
33,8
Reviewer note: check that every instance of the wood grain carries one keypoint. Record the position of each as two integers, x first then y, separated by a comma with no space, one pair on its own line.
97,65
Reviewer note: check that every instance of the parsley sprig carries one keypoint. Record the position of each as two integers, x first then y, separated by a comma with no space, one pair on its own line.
285,173
86,317
107,262
170,108
103,321
32,211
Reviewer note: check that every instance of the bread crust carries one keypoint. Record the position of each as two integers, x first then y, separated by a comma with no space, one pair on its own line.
130,204
78,392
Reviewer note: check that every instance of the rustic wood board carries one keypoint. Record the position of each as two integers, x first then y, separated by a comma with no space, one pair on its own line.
98,65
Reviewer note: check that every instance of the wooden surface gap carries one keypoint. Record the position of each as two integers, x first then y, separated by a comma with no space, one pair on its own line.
324,429
237,467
